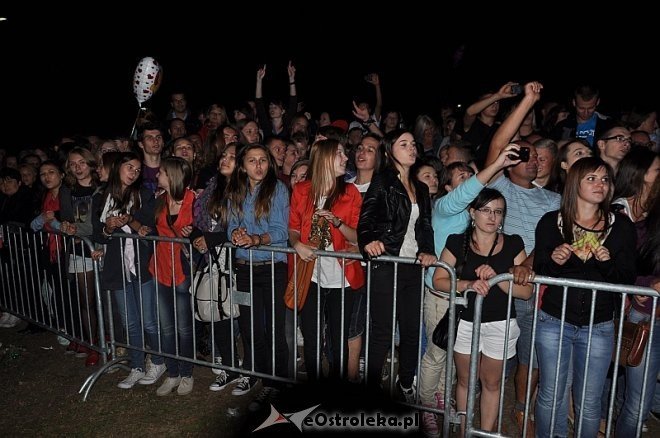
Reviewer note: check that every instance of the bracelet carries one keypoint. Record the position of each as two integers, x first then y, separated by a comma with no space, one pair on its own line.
339,225
260,240
105,233
292,83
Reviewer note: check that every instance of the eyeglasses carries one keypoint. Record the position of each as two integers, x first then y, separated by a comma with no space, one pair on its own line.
619,138
487,211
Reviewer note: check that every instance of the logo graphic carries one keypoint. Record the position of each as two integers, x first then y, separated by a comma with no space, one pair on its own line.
295,418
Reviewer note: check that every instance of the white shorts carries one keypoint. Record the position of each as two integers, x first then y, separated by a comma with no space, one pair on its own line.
80,264
491,339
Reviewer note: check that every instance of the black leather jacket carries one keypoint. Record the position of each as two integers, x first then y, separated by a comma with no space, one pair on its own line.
386,211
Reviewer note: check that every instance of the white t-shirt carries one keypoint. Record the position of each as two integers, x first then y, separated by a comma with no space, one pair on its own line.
331,275
409,245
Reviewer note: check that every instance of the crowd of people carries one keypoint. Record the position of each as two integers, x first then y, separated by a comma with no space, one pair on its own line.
545,189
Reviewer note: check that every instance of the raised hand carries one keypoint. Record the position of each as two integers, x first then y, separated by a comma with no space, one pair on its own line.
291,70
261,73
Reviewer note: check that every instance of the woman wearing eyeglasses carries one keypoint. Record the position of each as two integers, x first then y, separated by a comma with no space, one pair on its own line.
583,240
479,254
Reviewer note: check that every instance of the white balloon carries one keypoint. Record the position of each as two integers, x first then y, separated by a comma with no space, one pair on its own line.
147,79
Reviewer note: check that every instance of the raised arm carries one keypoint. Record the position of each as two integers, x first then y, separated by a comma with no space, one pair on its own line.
473,110
374,80
259,92
511,124
363,115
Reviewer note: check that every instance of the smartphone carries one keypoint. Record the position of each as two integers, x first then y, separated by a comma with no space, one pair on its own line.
516,89
522,155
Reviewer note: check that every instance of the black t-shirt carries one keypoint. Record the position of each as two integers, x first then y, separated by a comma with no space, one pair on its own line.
494,308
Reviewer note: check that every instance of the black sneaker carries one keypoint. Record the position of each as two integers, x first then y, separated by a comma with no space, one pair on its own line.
245,384
223,379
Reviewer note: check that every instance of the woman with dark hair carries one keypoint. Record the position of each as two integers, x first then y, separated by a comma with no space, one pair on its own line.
396,220
170,267
126,207
258,212
639,187
583,240
326,194
210,231
637,173
458,187
568,154
479,254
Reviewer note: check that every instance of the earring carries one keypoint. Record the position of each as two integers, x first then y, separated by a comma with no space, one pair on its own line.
499,228
472,223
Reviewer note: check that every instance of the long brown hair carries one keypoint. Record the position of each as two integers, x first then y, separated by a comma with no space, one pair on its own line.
238,185
569,199
179,173
321,172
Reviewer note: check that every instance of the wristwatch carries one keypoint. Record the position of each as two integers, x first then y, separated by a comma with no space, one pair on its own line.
339,224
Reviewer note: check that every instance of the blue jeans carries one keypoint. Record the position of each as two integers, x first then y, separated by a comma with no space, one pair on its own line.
176,327
525,320
626,425
573,346
128,306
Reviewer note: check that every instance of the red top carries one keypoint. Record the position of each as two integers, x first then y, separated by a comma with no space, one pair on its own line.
164,249
346,207
52,204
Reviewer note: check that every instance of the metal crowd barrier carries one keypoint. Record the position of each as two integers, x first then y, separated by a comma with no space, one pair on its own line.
245,298
625,290
44,290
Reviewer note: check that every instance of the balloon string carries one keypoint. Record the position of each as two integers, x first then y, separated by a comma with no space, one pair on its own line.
133,135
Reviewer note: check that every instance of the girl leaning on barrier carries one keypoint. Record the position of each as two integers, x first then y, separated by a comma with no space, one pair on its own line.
396,220
326,194
210,231
258,213
458,187
170,267
48,221
125,207
638,191
480,253
583,240
76,212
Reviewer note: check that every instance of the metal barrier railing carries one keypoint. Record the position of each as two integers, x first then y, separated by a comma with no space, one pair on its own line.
36,288
245,299
595,287
44,282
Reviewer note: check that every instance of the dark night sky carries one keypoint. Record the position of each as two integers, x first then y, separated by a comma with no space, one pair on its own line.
76,77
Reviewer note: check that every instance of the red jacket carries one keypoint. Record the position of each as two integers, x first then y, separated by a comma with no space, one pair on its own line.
346,208
164,249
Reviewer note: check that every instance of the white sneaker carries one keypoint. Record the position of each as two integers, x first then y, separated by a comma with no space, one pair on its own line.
186,385
130,381
153,373
168,386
